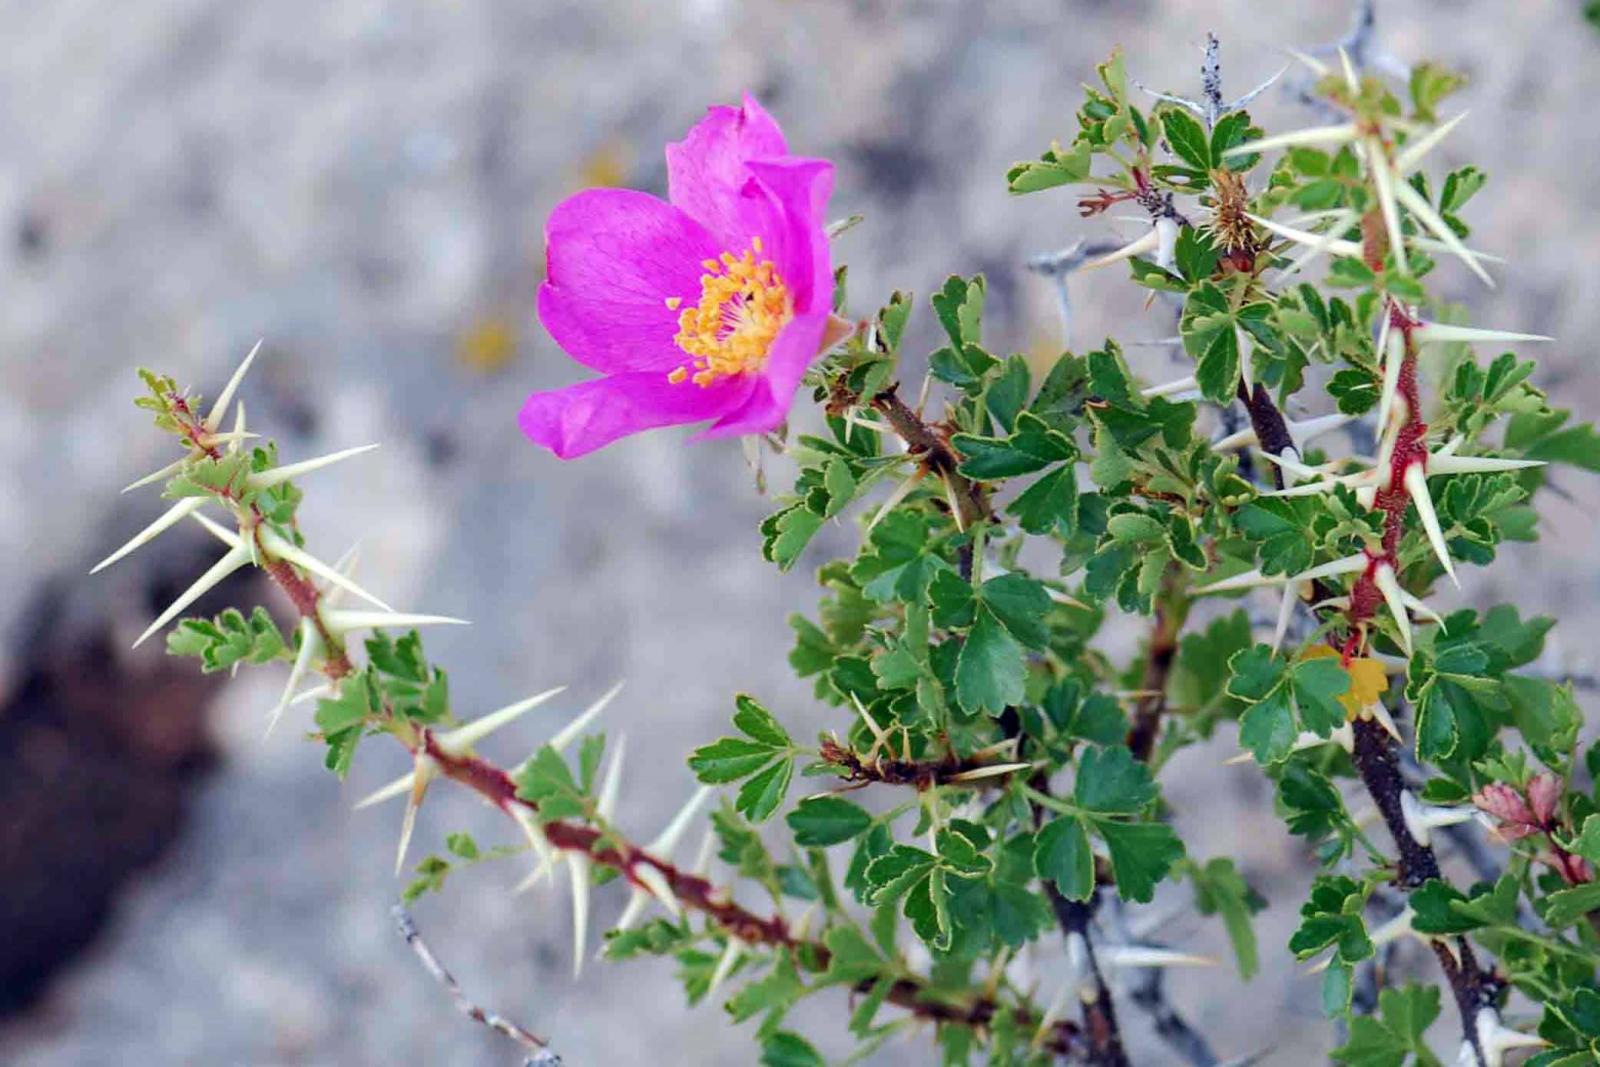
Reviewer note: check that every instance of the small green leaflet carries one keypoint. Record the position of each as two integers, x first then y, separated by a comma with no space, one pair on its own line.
764,757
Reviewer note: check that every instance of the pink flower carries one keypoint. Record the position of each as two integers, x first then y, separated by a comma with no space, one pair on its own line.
708,306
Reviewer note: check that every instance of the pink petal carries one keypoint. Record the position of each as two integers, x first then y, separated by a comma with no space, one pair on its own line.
1544,794
1504,803
791,218
706,170
768,405
581,418
614,256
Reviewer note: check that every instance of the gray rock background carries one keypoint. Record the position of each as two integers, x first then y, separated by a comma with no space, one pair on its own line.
363,184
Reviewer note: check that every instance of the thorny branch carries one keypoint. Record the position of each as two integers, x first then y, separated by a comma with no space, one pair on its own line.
1161,652
1377,760
608,849
970,503
540,1055
698,893
1099,1013
952,771
1100,1028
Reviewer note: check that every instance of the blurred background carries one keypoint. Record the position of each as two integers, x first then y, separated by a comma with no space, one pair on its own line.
364,184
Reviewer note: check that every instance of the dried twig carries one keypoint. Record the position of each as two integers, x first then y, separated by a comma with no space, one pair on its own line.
539,1051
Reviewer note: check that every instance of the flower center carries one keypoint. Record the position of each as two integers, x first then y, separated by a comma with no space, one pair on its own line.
743,304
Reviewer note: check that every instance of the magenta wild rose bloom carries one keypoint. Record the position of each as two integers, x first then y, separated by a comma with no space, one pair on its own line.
707,306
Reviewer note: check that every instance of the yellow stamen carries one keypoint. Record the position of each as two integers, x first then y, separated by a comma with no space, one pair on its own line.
674,302
743,304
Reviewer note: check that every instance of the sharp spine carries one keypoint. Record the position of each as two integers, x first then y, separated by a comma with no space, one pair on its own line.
578,870
278,475
155,476
1313,135
569,733
310,644
1413,152
235,558
168,519
1415,480
672,833
1149,242
468,734
282,549
1424,213
344,620
219,409
1439,332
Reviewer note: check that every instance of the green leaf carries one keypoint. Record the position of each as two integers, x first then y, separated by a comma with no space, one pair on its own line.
892,875
350,707
1061,854
960,855
1049,504
959,307
462,845
792,529
1388,1041
728,760
927,905
1234,129
1141,855
1438,729
430,878
1267,728
1312,806
1278,525
1430,84
840,484
1219,889
1436,907
902,560
1007,394
1578,446
758,723
1318,685
1332,916
821,821
1057,167
786,1049
771,995
1187,138
547,782
231,638
1201,673
1566,906
1197,257
1111,782
760,796
851,956
1033,447
1021,604
990,671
